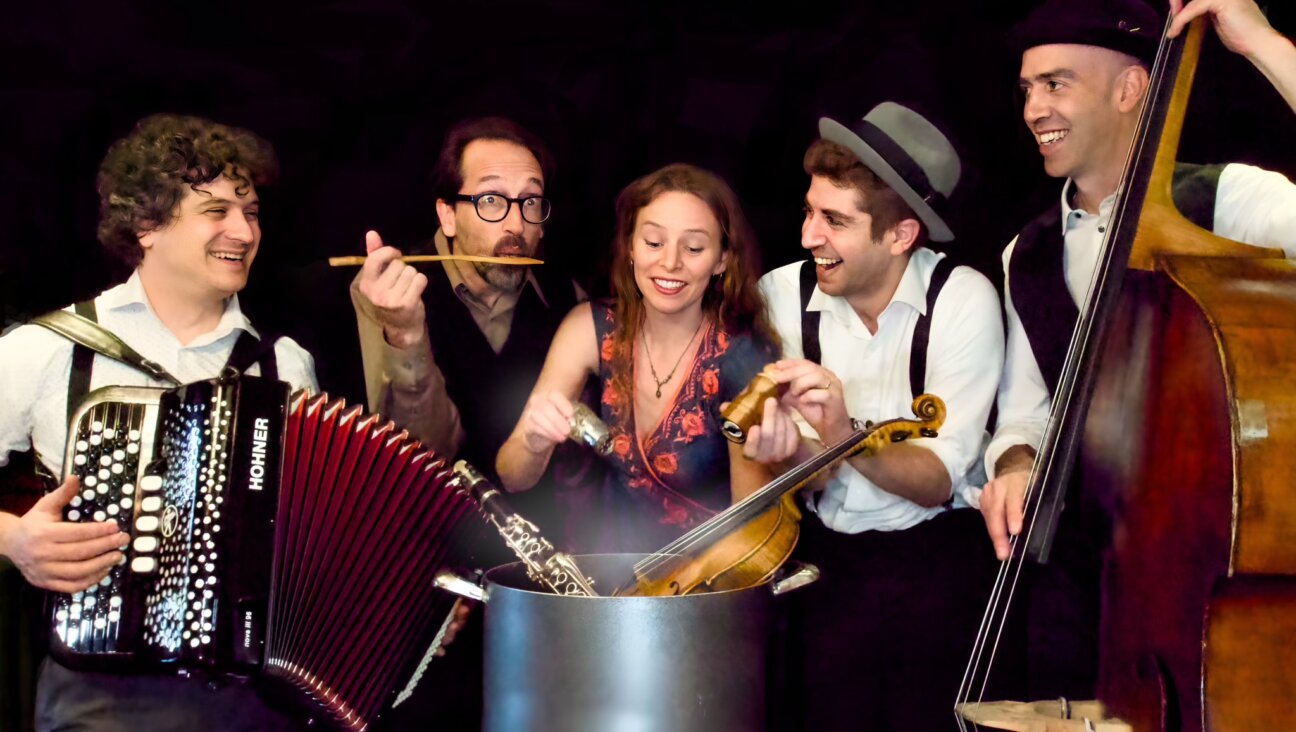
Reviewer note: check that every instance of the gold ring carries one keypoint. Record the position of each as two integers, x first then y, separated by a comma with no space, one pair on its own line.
827,386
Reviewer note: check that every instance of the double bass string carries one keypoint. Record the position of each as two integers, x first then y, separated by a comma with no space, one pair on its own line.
1113,254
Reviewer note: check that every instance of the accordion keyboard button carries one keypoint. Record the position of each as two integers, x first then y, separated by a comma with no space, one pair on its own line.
146,523
151,503
145,543
151,482
143,564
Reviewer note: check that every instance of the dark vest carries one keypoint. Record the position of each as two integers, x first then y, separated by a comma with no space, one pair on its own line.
491,389
1039,291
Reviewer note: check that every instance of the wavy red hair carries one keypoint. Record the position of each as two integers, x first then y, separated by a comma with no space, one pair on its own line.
732,300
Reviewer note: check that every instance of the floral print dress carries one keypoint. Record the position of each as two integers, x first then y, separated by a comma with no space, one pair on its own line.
678,475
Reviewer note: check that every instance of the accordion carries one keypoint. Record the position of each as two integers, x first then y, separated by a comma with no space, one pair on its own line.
289,539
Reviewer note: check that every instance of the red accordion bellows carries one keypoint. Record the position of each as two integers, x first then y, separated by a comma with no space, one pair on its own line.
354,566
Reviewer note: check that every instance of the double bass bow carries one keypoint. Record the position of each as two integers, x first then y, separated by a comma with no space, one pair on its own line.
1178,398
745,544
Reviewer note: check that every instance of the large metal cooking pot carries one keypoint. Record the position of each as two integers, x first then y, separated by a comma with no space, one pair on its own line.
641,664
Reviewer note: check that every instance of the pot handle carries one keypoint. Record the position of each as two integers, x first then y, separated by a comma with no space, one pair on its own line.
792,576
451,582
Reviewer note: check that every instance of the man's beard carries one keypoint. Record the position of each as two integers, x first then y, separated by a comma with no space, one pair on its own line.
505,276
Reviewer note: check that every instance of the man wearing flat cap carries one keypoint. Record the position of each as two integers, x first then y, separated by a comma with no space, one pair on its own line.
870,319
1084,75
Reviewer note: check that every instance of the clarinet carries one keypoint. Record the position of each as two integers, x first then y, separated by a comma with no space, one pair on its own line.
545,565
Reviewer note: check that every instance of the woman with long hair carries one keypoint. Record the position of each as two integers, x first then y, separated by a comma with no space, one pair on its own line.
685,332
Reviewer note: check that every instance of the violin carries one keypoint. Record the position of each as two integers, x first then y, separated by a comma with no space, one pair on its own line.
746,544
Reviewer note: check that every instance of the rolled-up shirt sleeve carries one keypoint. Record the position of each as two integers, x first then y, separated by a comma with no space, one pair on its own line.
966,354
405,384
1023,397
21,383
1256,206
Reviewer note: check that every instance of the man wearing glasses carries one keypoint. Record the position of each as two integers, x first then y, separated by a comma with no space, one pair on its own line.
452,350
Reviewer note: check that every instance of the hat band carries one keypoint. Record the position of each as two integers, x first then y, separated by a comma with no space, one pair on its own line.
907,167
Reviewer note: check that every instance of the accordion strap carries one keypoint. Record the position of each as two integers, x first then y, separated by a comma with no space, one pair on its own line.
249,350
90,334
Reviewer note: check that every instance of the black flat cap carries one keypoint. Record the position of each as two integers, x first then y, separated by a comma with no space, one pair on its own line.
1128,26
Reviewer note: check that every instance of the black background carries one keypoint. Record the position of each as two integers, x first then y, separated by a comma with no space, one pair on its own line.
355,96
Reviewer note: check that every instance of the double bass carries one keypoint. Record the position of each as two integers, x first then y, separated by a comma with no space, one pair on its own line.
1178,399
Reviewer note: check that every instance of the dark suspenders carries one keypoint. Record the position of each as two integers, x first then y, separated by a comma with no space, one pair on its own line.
809,318
922,330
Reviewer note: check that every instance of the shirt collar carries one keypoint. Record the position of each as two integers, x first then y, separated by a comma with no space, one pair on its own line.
130,295
1068,192
911,291
442,244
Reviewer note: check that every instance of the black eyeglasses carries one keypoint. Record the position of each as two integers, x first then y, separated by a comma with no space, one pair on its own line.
494,207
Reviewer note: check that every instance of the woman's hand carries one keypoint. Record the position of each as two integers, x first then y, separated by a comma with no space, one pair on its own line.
546,421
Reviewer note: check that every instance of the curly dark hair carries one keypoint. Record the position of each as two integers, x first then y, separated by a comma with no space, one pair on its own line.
142,178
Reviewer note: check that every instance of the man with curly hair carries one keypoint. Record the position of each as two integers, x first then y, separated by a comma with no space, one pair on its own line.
178,202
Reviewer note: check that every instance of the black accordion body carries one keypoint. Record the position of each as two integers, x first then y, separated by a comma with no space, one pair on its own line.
289,539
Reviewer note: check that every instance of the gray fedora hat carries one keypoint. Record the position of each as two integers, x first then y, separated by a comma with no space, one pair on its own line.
909,154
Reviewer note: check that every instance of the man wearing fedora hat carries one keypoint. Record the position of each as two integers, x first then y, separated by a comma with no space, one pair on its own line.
1084,75
872,318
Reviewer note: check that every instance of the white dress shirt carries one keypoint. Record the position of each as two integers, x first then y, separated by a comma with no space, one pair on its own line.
1251,205
964,357
35,364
